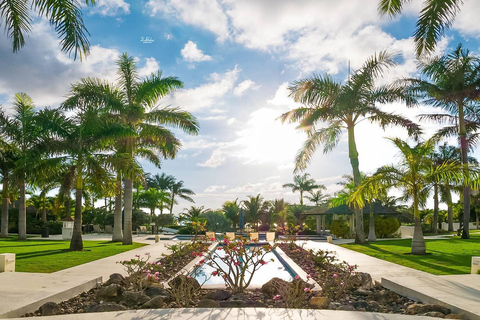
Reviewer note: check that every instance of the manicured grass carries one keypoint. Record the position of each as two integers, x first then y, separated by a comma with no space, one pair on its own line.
449,256
49,256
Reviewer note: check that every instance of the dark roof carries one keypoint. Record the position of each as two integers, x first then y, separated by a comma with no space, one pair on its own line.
69,218
346,210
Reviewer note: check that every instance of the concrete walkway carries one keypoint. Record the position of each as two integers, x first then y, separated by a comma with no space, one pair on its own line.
460,293
235,314
22,292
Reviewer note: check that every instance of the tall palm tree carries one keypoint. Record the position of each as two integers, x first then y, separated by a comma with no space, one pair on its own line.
341,107
318,197
177,189
453,83
133,102
413,175
193,213
302,183
435,18
160,181
65,15
22,134
153,199
7,161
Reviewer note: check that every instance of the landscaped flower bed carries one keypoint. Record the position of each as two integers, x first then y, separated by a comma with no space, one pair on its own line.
342,287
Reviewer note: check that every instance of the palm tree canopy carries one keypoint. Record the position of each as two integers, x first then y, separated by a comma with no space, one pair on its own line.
342,106
436,16
65,16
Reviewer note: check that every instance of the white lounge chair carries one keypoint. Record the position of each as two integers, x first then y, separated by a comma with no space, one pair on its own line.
230,235
270,236
254,236
210,235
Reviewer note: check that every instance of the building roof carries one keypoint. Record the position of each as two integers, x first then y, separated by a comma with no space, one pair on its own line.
69,218
346,210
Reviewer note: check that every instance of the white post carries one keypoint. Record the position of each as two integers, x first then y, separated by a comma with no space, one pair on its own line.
323,224
7,262
475,265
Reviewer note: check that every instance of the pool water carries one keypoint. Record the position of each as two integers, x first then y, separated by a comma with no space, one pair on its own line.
275,269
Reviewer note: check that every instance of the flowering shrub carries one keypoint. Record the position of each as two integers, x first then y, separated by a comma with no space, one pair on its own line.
295,294
198,228
141,272
236,262
290,233
323,258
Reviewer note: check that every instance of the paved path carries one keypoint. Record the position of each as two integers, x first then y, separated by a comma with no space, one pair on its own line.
461,293
235,314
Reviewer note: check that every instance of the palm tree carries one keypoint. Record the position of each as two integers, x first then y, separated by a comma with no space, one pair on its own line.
133,102
435,18
22,134
231,210
302,183
177,189
253,208
193,213
342,107
453,83
153,199
7,160
160,181
318,197
65,15
413,175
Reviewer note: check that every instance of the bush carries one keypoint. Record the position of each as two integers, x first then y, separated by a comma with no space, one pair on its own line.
54,227
216,221
339,228
35,226
264,227
385,227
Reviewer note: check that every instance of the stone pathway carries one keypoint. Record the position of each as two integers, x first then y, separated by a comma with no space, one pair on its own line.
461,293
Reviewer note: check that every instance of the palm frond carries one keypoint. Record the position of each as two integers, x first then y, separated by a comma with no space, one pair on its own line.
17,20
156,87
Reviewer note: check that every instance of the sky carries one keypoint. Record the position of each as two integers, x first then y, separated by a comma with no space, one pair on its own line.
236,59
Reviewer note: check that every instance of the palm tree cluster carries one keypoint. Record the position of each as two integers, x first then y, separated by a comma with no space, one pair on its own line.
450,82
93,142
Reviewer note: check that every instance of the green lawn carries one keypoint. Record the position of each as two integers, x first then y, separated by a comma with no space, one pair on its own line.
49,256
449,256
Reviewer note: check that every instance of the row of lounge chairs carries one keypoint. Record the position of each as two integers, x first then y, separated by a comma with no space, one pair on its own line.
270,236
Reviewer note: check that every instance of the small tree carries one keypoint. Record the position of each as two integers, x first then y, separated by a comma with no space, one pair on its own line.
239,263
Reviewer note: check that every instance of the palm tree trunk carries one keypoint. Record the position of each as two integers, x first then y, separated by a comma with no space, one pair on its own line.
68,204
357,179
128,202
76,243
418,243
4,226
301,197
371,226
450,210
466,189
117,217
44,209
22,214
435,209
171,204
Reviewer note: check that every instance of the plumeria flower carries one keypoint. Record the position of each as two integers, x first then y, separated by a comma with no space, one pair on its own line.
147,253
297,277
137,256
335,275
127,261
189,277
159,263
306,289
341,283
212,239
157,273
219,248
236,263
308,276
262,262
277,297
214,273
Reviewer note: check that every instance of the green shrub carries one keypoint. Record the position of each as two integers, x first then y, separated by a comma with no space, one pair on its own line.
339,228
216,221
385,227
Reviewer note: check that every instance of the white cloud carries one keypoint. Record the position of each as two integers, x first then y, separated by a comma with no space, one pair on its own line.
168,36
212,189
110,8
206,14
213,118
216,160
151,66
467,20
191,53
244,86
42,62
208,95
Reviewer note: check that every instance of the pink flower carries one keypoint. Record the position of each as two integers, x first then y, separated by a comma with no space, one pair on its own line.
159,263
277,297
147,253
236,264
226,241
137,256
214,273
148,271
212,239
335,275
219,248
308,276
262,262
157,273
126,261
189,277
306,289
297,277
341,283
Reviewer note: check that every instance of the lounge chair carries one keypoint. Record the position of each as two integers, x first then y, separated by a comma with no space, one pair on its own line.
210,235
254,236
230,235
142,229
270,236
